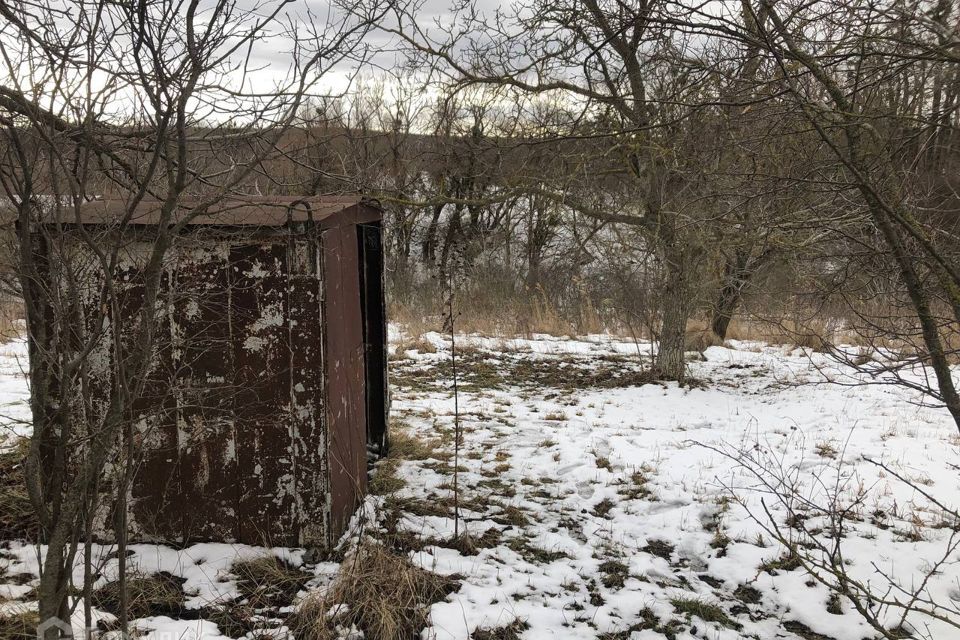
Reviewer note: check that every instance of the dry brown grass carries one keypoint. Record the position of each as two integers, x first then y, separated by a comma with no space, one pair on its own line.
382,593
490,313
814,335
810,340
825,450
746,330
512,631
385,480
268,581
11,315
19,625
404,445
512,315
147,595
234,619
700,340
950,336
413,342
407,446
483,314
414,319
542,317
17,518
494,309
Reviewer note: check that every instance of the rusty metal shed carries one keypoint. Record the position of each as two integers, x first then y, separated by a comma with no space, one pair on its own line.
271,387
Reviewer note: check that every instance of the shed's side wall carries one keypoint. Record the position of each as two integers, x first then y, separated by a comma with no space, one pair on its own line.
344,350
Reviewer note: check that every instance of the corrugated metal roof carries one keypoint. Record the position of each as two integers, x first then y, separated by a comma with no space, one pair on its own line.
254,210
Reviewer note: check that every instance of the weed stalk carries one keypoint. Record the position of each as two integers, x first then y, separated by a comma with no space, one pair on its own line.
451,326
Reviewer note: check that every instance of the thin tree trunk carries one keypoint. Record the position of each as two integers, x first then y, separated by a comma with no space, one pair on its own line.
429,251
736,274
454,233
727,303
921,304
670,363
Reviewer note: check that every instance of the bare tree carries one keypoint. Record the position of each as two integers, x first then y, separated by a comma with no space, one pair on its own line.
137,102
836,87
616,63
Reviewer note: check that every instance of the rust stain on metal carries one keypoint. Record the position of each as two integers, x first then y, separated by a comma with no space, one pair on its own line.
253,427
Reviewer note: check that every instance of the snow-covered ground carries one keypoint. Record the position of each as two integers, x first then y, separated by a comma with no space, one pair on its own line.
602,506
626,488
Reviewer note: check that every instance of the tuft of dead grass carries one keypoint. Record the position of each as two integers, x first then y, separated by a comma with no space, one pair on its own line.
534,554
636,487
19,625
268,581
381,593
511,631
604,507
384,479
159,594
17,518
407,446
404,445
826,450
470,545
414,343
11,320
614,574
706,611
233,619
509,515
786,562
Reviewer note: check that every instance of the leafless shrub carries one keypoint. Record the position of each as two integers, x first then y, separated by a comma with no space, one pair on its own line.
812,516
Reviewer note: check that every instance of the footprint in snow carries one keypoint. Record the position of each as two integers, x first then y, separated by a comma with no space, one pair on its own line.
602,447
564,470
666,505
585,489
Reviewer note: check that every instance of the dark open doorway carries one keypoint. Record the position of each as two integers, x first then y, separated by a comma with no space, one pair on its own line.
372,305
